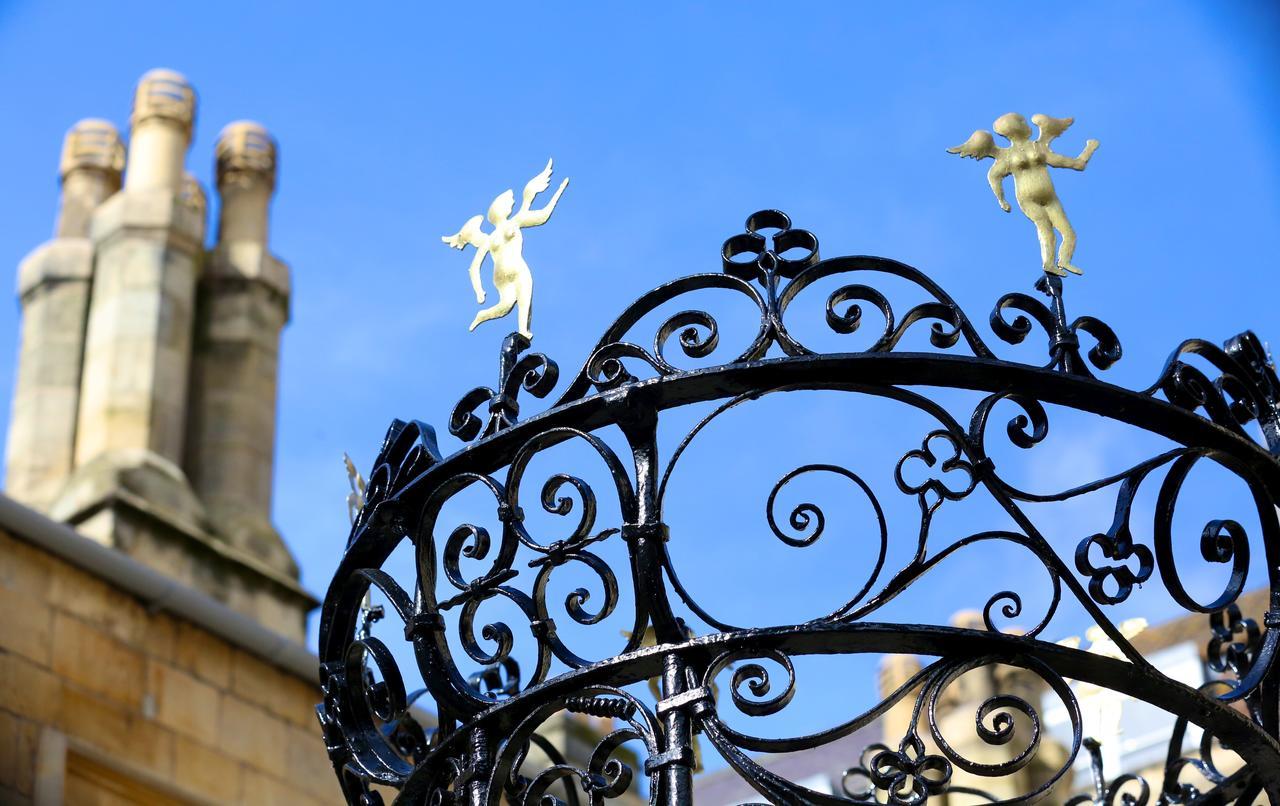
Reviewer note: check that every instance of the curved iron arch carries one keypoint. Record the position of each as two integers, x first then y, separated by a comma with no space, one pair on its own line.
1219,405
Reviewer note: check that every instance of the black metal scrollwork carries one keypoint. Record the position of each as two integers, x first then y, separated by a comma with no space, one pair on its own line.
482,587
531,372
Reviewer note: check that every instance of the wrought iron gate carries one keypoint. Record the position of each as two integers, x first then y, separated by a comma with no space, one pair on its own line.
1217,405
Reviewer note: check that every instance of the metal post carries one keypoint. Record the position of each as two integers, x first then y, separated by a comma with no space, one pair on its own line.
677,774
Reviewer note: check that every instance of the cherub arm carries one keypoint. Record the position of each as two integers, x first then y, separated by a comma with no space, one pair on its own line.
995,178
471,235
474,271
1075,163
526,217
536,218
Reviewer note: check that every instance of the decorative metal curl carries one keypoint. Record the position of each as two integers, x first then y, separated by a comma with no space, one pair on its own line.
1064,338
1222,541
408,450
1206,400
1108,793
604,777
531,372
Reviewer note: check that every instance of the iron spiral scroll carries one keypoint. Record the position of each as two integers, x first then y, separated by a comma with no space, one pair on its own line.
1217,405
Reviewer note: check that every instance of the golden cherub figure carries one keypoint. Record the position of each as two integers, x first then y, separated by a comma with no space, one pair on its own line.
1029,162
506,243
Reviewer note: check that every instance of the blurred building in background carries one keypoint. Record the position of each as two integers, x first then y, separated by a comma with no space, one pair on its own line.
144,409
151,639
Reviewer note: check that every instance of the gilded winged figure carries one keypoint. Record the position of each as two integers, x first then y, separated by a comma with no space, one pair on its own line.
505,243
1029,162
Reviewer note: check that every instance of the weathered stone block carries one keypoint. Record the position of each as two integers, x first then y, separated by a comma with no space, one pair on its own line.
256,681
206,656
120,733
251,734
183,703
18,740
29,690
24,569
297,702
27,626
102,665
201,769
161,636
310,769
95,602
264,790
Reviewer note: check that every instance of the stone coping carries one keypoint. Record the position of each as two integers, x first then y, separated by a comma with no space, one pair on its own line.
156,590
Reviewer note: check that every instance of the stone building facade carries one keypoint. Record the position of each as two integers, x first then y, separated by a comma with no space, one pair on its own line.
151,618
117,688
144,408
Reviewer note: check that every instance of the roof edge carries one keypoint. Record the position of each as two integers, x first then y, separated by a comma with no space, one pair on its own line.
156,590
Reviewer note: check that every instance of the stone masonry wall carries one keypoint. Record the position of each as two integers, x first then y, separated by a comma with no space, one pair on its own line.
87,672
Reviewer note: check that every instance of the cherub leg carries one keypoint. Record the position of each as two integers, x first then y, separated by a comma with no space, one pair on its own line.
1044,230
506,301
524,314
1068,248
524,302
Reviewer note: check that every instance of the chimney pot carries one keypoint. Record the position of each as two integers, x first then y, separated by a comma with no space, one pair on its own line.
164,94
92,144
246,153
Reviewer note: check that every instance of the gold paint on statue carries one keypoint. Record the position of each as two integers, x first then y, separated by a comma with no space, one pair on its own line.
511,274
1029,162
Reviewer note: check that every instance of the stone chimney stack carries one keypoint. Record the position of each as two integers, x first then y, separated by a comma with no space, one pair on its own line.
148,241
244,304
53,284
144,411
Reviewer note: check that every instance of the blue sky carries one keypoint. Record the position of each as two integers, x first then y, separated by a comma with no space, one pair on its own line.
675,122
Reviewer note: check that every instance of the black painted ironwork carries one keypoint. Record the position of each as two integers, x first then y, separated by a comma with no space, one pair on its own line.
1218,406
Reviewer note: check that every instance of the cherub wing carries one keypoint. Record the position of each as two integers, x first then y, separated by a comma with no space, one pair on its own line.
979,146
536,185
469,234
354,477
1050,128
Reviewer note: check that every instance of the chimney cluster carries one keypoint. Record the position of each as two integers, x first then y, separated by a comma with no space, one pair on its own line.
144,409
